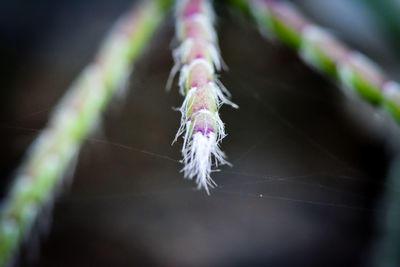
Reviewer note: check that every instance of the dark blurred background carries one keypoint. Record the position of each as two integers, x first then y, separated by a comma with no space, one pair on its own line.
313,170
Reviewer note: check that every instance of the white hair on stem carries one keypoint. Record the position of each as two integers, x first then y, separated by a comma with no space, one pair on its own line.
199,149
197,159
201,127
220,94
179,55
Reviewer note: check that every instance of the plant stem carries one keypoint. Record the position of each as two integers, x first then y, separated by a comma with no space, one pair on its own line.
198,58
321,50
77,113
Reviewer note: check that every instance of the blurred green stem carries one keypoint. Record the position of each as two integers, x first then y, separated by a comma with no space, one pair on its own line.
322,51
77,113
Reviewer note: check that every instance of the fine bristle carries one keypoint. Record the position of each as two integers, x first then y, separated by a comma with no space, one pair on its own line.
198,155
197,58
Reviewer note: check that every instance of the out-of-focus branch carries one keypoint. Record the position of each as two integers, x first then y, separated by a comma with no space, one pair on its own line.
324,52
77,113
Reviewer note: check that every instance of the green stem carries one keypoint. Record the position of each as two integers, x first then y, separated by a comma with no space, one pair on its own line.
77,113
320,49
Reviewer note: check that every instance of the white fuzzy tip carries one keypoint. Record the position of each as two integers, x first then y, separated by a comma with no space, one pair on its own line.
198,159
